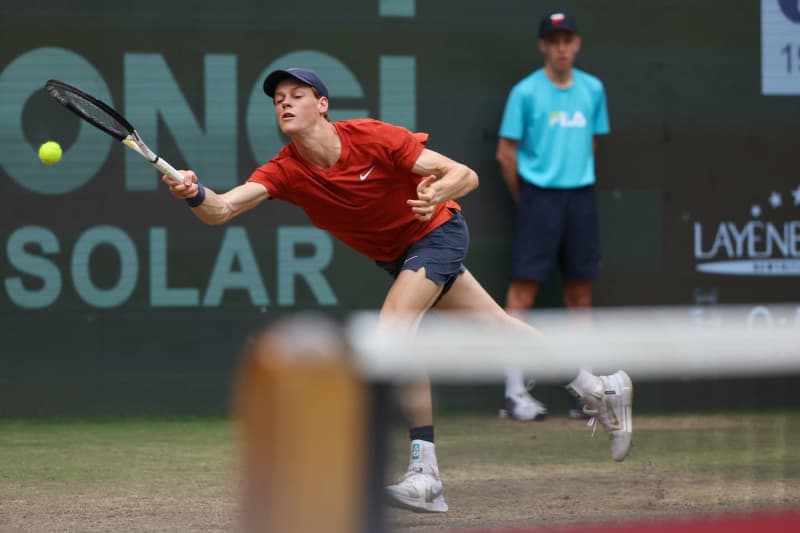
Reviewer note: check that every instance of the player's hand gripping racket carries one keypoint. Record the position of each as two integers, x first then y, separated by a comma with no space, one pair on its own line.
105,118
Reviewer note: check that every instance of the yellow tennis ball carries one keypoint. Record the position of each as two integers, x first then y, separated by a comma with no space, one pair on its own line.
50,153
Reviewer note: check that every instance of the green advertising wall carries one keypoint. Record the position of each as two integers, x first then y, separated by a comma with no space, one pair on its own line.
114,298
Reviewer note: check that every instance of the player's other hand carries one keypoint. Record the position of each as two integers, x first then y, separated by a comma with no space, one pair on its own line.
185,189
427,198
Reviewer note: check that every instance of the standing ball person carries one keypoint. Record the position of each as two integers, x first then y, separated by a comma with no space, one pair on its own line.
548,136
377,188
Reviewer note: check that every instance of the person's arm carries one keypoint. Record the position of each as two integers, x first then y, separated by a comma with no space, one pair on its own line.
213,208
445,179
507,157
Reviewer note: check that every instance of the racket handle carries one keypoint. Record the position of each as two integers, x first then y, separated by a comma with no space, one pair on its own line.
168,170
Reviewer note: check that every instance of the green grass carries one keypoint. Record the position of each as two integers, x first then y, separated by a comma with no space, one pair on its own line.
121,454
708,441
115,456
178,474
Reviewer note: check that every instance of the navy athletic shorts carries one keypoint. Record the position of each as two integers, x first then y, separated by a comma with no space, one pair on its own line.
441,252
556,227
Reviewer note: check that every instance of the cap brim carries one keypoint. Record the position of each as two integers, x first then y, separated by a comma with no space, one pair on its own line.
274,79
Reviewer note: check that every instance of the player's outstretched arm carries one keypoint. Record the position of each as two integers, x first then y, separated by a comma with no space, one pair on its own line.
445,179
213,208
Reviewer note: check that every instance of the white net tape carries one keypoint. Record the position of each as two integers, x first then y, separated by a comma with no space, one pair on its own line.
674,342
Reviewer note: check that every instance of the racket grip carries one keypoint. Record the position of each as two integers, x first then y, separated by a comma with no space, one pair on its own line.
168,170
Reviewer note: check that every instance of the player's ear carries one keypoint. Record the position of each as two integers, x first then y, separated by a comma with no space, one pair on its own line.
578,42
323,104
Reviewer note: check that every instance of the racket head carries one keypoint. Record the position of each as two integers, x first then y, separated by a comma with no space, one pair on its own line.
89,108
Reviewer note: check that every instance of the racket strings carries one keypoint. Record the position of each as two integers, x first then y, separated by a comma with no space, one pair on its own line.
85,106
97,114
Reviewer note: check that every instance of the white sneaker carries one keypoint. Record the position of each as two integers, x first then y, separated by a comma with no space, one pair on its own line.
608,400
523,406
419,490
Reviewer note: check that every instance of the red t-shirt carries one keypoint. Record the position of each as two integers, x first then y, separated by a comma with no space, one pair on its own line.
361,199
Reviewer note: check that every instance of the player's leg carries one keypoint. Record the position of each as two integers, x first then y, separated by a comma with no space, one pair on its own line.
420,488
408,299
468,295
426,271
608,399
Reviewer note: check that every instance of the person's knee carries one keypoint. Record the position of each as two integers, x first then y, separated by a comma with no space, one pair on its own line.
578,294
521,296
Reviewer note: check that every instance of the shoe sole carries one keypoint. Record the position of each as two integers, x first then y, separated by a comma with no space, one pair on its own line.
438,505
622,382
627,399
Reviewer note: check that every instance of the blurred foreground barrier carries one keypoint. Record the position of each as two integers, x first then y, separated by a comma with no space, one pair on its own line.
303,414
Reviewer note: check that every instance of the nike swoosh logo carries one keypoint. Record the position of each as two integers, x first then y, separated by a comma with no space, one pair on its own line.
367,173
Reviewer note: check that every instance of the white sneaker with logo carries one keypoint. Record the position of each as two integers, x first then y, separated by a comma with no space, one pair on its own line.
608,400
419,490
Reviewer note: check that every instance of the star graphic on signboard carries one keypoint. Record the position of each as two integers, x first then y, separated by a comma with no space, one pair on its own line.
775,200
755,211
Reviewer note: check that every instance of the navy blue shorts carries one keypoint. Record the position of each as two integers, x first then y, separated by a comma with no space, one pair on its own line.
556,227
441,252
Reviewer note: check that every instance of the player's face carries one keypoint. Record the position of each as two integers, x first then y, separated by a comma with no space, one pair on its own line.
297,107
560,50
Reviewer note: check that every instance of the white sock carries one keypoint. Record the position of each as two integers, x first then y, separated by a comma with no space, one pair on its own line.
515,382
424,452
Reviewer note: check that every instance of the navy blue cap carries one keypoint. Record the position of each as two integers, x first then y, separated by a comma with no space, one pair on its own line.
554,22
307,76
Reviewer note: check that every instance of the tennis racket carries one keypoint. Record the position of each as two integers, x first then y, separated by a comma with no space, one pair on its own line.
105,118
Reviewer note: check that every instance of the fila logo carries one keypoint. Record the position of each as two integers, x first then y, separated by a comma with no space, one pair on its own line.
367,173
562,118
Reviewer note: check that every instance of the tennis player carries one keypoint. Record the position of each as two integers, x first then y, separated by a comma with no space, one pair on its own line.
376,187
